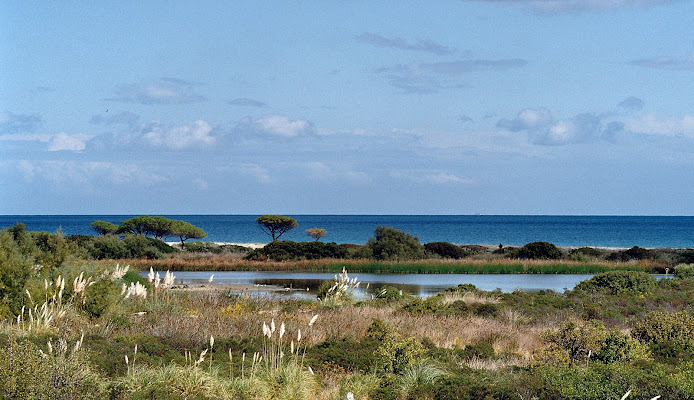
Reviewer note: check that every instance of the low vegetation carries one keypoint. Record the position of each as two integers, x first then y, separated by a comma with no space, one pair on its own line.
75,327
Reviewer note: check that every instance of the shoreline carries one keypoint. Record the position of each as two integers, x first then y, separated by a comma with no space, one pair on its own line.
488,247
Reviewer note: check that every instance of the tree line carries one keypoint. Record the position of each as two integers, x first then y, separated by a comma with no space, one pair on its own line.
157,227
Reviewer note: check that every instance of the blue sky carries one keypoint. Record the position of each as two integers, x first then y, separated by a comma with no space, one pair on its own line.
347,107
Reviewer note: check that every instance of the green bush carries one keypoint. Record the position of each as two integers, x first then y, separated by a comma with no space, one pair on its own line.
617,282
15,271
393,244
282,250
588,252
446,250
53,248
25,373
380,331
397,355
99,297
684,271
537,251
670,334
634,253
481,350
388,293
578,341
108,247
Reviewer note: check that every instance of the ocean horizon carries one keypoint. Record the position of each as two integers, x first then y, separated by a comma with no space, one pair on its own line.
562,230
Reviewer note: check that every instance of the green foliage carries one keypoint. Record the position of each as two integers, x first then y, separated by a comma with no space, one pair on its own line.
348,353
276,225
393,244
99,297
185,230
316,233
62,374
15,271
104,227
684,271
669,334
282,250
482,350
388,293
589,252
537,251
209,247
380,331
634,253
578,341
108,247
446,250
616,282
398,355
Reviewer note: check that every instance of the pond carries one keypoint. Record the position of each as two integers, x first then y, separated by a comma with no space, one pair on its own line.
422,285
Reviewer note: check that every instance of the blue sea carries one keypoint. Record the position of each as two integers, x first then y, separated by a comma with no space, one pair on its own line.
604,231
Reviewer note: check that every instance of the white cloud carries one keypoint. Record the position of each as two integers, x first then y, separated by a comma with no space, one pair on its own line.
542,128
27,169
255,171
63,141
275,126
430,176
94,173
650,124
194,134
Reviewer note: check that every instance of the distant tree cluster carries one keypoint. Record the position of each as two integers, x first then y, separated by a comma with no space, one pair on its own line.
157,227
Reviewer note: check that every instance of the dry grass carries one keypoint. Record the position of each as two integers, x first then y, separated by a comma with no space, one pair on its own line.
469,298
235,262
193,317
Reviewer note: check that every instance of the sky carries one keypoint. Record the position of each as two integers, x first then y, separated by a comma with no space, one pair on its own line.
566,107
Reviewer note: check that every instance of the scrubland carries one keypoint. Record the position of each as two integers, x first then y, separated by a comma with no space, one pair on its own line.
73,327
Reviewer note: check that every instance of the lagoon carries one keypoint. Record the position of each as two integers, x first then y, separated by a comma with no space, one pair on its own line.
421,285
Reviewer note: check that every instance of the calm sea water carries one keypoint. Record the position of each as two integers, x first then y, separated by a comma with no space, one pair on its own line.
617,231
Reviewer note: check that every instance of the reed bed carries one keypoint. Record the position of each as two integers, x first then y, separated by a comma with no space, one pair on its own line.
431,266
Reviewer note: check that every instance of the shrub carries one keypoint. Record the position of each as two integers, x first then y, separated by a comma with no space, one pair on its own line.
537,251
397,355
634,253
282,250
350,354
380,331
393,244
578,341
617,282
53,248
684,271
481,350
15,271
446,250
388,293
587,251
108,247
26,373
667,330
618,347
99,297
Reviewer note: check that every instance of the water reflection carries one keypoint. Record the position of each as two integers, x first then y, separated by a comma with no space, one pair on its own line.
422,285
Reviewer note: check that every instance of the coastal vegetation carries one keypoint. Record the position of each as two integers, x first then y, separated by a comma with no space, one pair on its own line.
73,327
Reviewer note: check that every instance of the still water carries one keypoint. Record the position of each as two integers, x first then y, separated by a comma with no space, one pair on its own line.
422,285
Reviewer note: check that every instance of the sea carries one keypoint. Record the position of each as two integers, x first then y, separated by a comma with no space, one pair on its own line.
516,230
